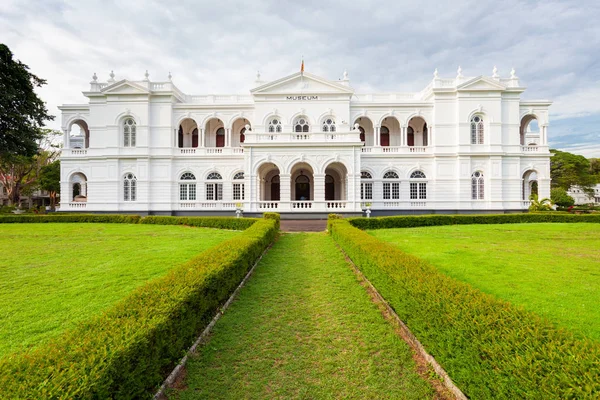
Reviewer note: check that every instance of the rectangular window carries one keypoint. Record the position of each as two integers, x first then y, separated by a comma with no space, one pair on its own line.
386,190
210,191
219,187
133,191
473,134
183,193
414,191
366,191
422,190
192,191
238,191
126,191
395,190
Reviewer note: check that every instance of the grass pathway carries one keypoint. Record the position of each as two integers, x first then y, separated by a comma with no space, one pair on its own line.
303,327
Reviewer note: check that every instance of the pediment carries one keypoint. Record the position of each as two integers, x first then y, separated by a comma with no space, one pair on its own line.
125,87
302,84
481,83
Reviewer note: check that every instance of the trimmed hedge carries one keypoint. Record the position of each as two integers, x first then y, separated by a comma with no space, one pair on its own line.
411,221
128,350
25,219
489,347
274,216
238,224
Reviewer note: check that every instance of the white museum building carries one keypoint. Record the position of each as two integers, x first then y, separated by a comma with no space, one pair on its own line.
305,144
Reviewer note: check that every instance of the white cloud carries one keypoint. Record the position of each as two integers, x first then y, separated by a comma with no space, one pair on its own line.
387,46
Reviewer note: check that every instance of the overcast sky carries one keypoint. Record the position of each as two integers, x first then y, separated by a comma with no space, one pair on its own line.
217,47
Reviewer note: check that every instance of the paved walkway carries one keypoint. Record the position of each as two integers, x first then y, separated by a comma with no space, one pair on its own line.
303,327
303,225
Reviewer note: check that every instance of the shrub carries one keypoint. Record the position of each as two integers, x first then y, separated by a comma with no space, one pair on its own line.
411,221
32,218
273,216
561,198
207,222
490,348
129,349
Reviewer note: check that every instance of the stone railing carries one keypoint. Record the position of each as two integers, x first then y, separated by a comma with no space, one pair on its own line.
395,149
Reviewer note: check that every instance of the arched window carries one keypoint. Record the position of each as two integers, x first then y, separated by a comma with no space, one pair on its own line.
220,137
328,125
418,190
187,189
477,130
238,187
242,135
129,187
275,125
76,190
384,134
180,137
410,136
391,190
129,132
214,190
477,186
301,125
362,134
366,186
195,137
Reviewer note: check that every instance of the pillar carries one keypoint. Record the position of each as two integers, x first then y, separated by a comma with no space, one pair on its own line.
429,135
376,135
228,137
66,143
319,189
403,136
202,139
285,188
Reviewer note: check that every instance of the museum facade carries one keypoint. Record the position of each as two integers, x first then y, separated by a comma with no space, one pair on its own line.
305,144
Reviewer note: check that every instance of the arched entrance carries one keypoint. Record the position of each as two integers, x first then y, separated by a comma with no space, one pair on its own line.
302,182
529,129
79,135
530,184
365,127
78,183
336,182
270,189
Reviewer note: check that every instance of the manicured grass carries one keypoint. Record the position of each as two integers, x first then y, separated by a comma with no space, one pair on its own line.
53,276
550,269
303,327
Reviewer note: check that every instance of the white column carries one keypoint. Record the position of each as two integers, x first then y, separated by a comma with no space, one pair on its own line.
377,138
319,189
227,137
429,135
403,139
66,139
202,139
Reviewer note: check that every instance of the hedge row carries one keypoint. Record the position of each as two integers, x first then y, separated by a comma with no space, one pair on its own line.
490,348
411,221
127,351
208,222
238,224
24,219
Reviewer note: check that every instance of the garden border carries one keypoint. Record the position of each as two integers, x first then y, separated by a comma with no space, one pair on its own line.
144,326
489,346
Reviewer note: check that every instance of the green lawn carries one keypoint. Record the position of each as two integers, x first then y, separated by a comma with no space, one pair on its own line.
303,327
53,276
550,269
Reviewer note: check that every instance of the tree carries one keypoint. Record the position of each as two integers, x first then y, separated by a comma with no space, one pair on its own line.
539,205
19,173
568,170
22,112
50,181
560,197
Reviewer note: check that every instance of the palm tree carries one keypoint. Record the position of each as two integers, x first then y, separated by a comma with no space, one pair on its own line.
540,205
